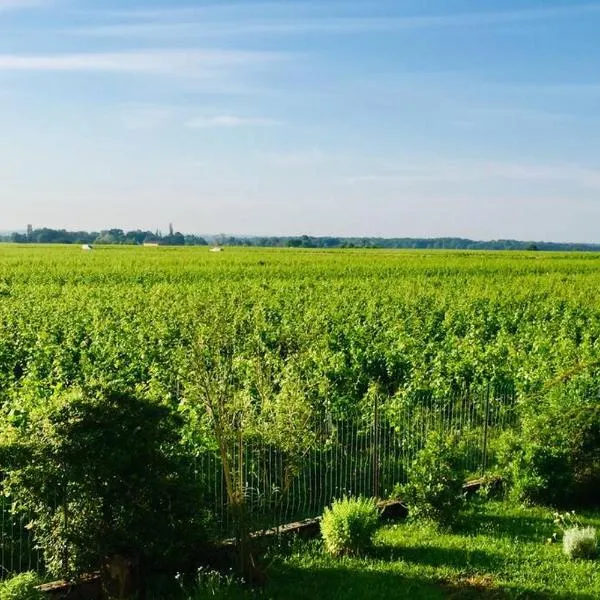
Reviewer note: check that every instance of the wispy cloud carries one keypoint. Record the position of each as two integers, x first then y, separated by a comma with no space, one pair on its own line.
149,24
565,173
209,9
507,113
147,116
301,158
231,121
6,5
572,89
463,172
509,116
174,62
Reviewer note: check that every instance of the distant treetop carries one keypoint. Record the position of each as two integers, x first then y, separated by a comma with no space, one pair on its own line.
108,236
175,238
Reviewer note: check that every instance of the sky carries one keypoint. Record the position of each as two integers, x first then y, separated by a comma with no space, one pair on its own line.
392,118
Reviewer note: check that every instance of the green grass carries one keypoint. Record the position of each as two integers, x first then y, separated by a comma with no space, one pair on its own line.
497,552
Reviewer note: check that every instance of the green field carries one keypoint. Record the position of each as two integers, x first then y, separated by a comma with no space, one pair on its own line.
412,320
326,371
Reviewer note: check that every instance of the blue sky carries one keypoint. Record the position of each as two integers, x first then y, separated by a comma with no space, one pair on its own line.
344,117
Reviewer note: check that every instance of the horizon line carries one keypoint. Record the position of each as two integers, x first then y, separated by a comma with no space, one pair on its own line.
5,232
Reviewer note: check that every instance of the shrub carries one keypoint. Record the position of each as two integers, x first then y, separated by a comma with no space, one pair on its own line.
348,526
434,491
536,472
580,542
103,473
555,457
21,587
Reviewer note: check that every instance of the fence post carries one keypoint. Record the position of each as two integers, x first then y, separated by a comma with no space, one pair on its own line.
485,430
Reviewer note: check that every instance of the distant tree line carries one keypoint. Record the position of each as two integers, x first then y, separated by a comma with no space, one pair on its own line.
175,238
108,236
446,243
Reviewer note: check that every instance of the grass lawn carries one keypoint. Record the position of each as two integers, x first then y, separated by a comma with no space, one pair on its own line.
499,551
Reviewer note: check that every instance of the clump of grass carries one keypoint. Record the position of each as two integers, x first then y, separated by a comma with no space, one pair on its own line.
348,526
580,542
209,583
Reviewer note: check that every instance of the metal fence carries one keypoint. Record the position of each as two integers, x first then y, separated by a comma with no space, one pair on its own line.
18,550
364,454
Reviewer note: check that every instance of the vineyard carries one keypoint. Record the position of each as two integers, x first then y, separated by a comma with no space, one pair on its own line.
337,321
313,373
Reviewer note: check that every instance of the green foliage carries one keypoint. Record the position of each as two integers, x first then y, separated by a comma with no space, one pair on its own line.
348,525
409,321
21,587
208,583
580,542
239,393
496,553
555,457
434,491
102,473
313,333
118,236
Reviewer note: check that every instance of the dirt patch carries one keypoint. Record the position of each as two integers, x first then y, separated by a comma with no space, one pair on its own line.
476,586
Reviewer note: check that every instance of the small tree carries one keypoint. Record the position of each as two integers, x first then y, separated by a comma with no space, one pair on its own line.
102,474
241,398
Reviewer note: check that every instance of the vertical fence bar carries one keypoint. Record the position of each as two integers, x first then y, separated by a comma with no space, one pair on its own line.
486,418
376,449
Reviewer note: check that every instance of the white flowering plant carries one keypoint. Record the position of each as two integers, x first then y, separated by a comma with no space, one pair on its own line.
578,541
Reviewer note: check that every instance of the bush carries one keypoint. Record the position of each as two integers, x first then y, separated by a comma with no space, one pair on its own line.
21,587
536,472
103,474
555,457
434,491
348,526
580,542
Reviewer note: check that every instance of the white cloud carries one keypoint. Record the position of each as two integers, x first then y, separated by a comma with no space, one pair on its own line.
141,116
493,114
581,176
184,22
146,117
182,12
165,62
462,172
231,121
6,5
301,158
